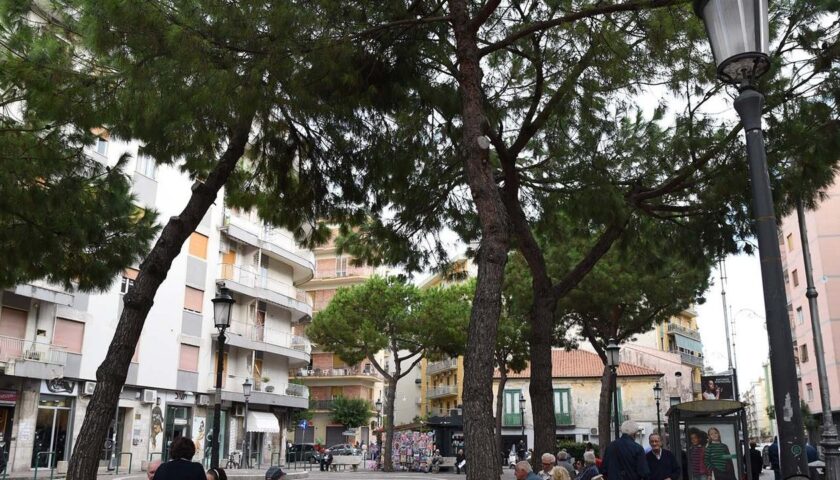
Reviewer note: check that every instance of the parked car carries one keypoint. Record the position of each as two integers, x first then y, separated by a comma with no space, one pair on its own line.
303,452
344,449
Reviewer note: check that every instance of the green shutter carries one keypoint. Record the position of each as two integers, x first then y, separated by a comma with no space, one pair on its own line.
511,417
562,406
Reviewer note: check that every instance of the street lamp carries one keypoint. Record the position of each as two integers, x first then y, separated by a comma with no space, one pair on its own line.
612,361
222,307
739,36
657,395
522,420
246,391
379,430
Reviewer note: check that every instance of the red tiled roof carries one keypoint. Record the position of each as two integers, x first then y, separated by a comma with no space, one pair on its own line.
583,364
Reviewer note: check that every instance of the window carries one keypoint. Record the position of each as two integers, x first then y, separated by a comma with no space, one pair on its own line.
198,245
795,276
512,415
803,353
193,299
800,317
787,276
128,278
189,358
147,166
12,324
790,242
810,389
101,146
674,401
341,266
69,335
562,406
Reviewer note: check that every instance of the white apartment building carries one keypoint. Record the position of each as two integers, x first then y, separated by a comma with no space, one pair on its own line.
52,341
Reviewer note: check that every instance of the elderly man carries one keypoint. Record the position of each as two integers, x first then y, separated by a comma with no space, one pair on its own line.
624,459
152,468
564,462
523,471
662,463
590,469
548,467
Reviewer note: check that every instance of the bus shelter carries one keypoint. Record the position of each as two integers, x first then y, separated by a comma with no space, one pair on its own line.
711,436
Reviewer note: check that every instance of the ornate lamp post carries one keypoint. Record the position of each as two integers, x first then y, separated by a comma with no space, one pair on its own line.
222,307
612,361
522,420
657,395
379,424
739,34
246,391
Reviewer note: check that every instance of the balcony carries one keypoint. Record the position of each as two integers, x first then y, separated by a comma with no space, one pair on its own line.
26,358
443,391
268,393
563,419
338,376
674,328
689,359
321,404
245,281
512,420
263,339
442,366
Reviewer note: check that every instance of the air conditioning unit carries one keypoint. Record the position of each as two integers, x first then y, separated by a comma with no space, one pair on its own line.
149,396
89,388
239,411
204,400
455,412
593,431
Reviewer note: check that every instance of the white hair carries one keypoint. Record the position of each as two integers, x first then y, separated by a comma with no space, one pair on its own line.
589,456
524,465
630,428
548,458
562,455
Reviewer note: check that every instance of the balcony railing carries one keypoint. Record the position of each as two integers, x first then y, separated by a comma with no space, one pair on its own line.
250,278
338,372
261,333
443,365
233,383
512,420
265,233
689,359
350,271
686,332
12,349
443,391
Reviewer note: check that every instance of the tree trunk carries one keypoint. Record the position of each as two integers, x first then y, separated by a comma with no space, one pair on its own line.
111,374
492,256
500,399
541,389
390,397
605,411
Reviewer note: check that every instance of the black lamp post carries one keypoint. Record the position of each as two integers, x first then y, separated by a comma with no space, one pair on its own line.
379,422
657,395
612,361
522,420
222,307
246,391
739,33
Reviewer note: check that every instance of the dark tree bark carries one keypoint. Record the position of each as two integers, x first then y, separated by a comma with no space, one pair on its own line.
604,410
500,399
492,255
541,389
111,374
390,396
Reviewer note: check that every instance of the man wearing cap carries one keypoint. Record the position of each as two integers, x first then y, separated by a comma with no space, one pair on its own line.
624,459
274,473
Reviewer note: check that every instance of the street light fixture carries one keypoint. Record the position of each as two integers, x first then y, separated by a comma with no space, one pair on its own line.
612,361
522,419
222,307
246,391
739,36
657,395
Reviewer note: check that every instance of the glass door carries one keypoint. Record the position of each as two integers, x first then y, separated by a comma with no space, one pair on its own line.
52,425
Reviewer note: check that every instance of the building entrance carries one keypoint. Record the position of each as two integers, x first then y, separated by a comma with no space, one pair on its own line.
178,421
52,442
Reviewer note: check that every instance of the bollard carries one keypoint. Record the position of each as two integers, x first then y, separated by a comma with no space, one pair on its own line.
130,459
49,462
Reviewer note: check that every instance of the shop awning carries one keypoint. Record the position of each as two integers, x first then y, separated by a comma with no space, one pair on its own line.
263,422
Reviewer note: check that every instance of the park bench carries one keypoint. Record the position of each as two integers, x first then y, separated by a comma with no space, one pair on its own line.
447,462
343,461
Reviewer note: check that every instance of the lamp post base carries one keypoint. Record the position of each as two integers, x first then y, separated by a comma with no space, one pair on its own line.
831,448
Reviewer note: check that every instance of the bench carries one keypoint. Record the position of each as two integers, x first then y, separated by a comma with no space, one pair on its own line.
447,462
344,461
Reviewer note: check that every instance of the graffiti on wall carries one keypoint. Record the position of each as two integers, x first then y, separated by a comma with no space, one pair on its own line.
156,436
199,430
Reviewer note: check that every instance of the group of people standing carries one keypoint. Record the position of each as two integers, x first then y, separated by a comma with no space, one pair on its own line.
181,467
560,467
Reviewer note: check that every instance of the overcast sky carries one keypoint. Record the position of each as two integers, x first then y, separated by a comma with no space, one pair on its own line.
744,295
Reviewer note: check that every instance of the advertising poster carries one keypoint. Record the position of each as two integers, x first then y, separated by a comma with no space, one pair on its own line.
712,451
717,387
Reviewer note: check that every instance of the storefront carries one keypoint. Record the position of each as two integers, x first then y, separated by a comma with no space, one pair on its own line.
8,399
53,424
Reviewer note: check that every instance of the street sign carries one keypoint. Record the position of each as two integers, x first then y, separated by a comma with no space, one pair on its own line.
303,424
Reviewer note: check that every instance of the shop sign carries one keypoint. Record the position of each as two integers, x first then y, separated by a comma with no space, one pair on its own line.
8,397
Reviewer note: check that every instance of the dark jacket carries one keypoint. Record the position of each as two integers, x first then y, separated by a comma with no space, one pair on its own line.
811,453
756,463
624,459
665,466
588,472
773,454
180,469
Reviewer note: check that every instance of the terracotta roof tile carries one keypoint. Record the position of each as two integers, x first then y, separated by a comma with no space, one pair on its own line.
583,364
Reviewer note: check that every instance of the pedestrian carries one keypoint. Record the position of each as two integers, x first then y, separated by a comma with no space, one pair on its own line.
180,465
661,462
152,468
560,474
773,454
624,459
548,466
216,474
460,462
563,462
275,473
756,461
521,451
590,469
326,460
523,471
811,453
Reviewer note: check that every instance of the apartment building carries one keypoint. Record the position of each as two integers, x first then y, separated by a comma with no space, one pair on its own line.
52,341
823,225
328,376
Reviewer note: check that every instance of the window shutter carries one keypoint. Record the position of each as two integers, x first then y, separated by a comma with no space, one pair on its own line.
13,323
193,299
69,334
189,358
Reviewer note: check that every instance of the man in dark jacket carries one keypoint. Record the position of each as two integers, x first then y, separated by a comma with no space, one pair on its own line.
662,463
624,459
180,465
773,454
756,461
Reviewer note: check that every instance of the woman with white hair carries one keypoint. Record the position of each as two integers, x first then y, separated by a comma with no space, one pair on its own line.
590,470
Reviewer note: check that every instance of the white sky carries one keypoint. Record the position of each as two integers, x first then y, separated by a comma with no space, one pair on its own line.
745,297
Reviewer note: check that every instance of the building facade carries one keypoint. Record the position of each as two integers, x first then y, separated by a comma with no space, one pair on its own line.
52,341
823,225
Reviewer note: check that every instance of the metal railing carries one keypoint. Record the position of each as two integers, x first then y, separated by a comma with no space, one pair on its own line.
689,359
443,391
448,364
338,372
233,384
265,233
261,333
350,271
12,348
251,278
686,332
